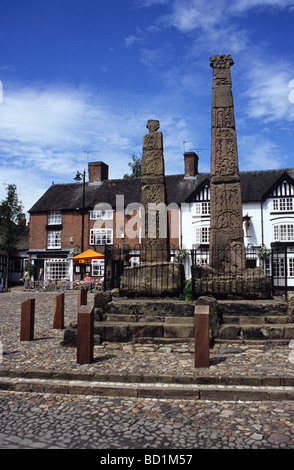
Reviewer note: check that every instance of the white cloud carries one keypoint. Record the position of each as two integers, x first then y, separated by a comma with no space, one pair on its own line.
134,38
244,5
44,131
188,15
268,92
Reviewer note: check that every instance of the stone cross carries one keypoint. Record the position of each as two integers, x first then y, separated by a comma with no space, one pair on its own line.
155,243
227,252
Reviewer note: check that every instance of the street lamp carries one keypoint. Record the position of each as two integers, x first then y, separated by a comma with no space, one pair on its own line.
82,177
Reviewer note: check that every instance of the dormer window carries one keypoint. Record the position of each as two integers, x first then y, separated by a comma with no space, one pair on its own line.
202,208
283,204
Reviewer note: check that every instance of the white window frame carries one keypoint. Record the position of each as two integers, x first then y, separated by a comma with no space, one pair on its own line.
101,214
57,269
283,204
290,270
53,239
202,235
54,218
98,267
284,232
202,208
101,236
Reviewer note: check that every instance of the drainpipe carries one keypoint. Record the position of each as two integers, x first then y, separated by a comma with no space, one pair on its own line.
261,220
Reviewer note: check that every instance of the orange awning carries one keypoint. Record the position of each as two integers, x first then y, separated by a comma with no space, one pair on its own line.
88,254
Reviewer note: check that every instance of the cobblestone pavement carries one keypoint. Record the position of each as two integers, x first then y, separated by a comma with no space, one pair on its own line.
48,421
51,420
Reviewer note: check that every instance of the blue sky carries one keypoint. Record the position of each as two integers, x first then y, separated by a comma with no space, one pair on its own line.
85,76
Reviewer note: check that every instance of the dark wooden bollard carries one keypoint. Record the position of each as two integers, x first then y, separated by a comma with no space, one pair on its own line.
201,334
82,298
58,314
85,336
27,320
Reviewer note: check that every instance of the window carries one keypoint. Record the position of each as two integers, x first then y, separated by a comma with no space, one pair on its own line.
279,267
202,234
284,232
104,215
202,208
57,269
283,204
291,267
101,236
54,239
54,218
98,267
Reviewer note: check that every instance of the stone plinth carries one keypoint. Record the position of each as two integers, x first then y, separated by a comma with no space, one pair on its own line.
251,284
153,279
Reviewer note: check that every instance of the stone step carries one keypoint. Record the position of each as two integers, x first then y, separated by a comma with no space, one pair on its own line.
266,308
257,332
130,331
257,320
134,319
149,390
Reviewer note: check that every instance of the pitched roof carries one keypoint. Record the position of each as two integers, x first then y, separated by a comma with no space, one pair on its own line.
70,196
256,184
254,187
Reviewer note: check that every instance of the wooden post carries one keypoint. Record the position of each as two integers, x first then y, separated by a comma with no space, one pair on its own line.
58,314
27,320
85,336
82,298
201,334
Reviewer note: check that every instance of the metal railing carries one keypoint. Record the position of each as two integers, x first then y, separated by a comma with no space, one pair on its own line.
64,286
230,279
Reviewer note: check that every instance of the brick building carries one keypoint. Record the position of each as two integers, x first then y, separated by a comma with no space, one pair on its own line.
102,214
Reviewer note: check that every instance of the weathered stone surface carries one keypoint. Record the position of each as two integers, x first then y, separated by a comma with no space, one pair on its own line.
152,279
155,246
70,336
101,302
143,308
227,252
101,299
155,276
251,284
215,314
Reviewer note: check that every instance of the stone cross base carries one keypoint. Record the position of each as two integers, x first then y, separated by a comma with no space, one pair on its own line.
153,280
252,284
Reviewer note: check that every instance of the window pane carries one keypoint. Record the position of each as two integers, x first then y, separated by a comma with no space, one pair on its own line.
97,267
101,236
291,267
54,239
54,218
57,270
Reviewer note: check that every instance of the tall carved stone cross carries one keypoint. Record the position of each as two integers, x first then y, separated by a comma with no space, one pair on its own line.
227,253
155,243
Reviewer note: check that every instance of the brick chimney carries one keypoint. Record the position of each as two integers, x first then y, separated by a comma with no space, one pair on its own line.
98,172
191,164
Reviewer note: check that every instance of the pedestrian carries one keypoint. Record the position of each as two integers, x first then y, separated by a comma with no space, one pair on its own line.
26,279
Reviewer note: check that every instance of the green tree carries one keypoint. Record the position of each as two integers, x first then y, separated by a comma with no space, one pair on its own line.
10,231
135,166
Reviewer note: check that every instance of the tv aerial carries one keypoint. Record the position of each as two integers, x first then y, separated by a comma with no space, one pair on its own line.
90,151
